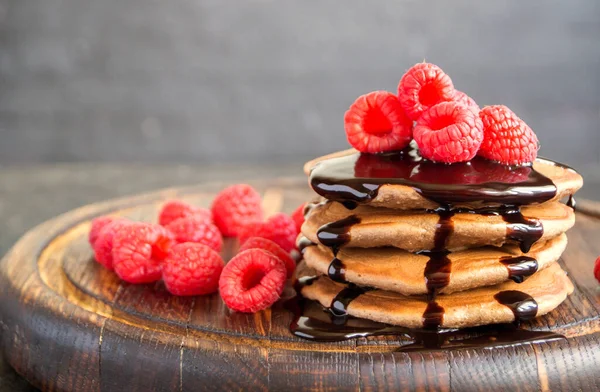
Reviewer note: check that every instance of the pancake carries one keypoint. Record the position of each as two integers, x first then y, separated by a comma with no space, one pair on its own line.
482,178
415,231
403,272
547,288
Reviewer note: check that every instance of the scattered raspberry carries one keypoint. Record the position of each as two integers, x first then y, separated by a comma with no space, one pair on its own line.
280,228
597,269
175,209
469,102
192,269
298,216
252,281
506,138
103,246
138,252
448,132
97,225
423,86
376,122
271,247
196,229
235,207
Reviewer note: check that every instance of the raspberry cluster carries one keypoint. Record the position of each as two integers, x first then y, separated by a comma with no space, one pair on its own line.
447,125
183,249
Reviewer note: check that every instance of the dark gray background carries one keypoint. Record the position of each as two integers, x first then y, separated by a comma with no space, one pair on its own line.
268,81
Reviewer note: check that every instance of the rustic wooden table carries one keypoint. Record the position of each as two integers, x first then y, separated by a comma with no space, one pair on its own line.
31,195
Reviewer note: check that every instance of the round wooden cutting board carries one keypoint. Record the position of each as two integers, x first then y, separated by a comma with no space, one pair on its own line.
69,324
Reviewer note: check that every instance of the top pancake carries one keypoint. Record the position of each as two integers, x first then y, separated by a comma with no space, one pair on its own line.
472,185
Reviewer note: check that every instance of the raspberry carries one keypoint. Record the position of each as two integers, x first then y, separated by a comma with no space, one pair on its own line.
192,269
467,101
103,246
506,138
597,269
448,132
175,209
298,216
196,229
280,228
97,225
423,86
252,281
271,247
376,122
235,207
138,252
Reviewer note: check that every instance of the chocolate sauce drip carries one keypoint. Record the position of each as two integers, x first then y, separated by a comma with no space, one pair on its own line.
433,316
571,202
525,231
334,235
523,305
358,177
304,243
438,269
337,270
443,229
520,267
339,304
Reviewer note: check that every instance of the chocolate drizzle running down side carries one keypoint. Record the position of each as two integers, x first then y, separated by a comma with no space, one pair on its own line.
438,269
304,243
520,267
525,231
337,270
572,203
356,178
339,304
523,305
336,234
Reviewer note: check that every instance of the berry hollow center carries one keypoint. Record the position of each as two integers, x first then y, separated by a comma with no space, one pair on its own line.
429,94
160,248
441,122
252,278
375,122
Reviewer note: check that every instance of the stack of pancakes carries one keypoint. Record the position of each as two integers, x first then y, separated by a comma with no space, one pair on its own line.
399,240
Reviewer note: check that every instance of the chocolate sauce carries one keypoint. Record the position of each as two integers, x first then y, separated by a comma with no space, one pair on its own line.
443,229
438,269
335,234
339,304
571,202
304,243
520,267
525,231
523,306
433,315
358,177
337,270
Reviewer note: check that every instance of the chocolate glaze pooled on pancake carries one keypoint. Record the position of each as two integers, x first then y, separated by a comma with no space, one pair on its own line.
351,177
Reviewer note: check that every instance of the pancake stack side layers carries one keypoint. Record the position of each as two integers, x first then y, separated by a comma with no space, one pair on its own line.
399,240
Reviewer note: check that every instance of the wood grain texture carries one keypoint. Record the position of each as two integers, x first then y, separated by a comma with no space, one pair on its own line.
68,324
